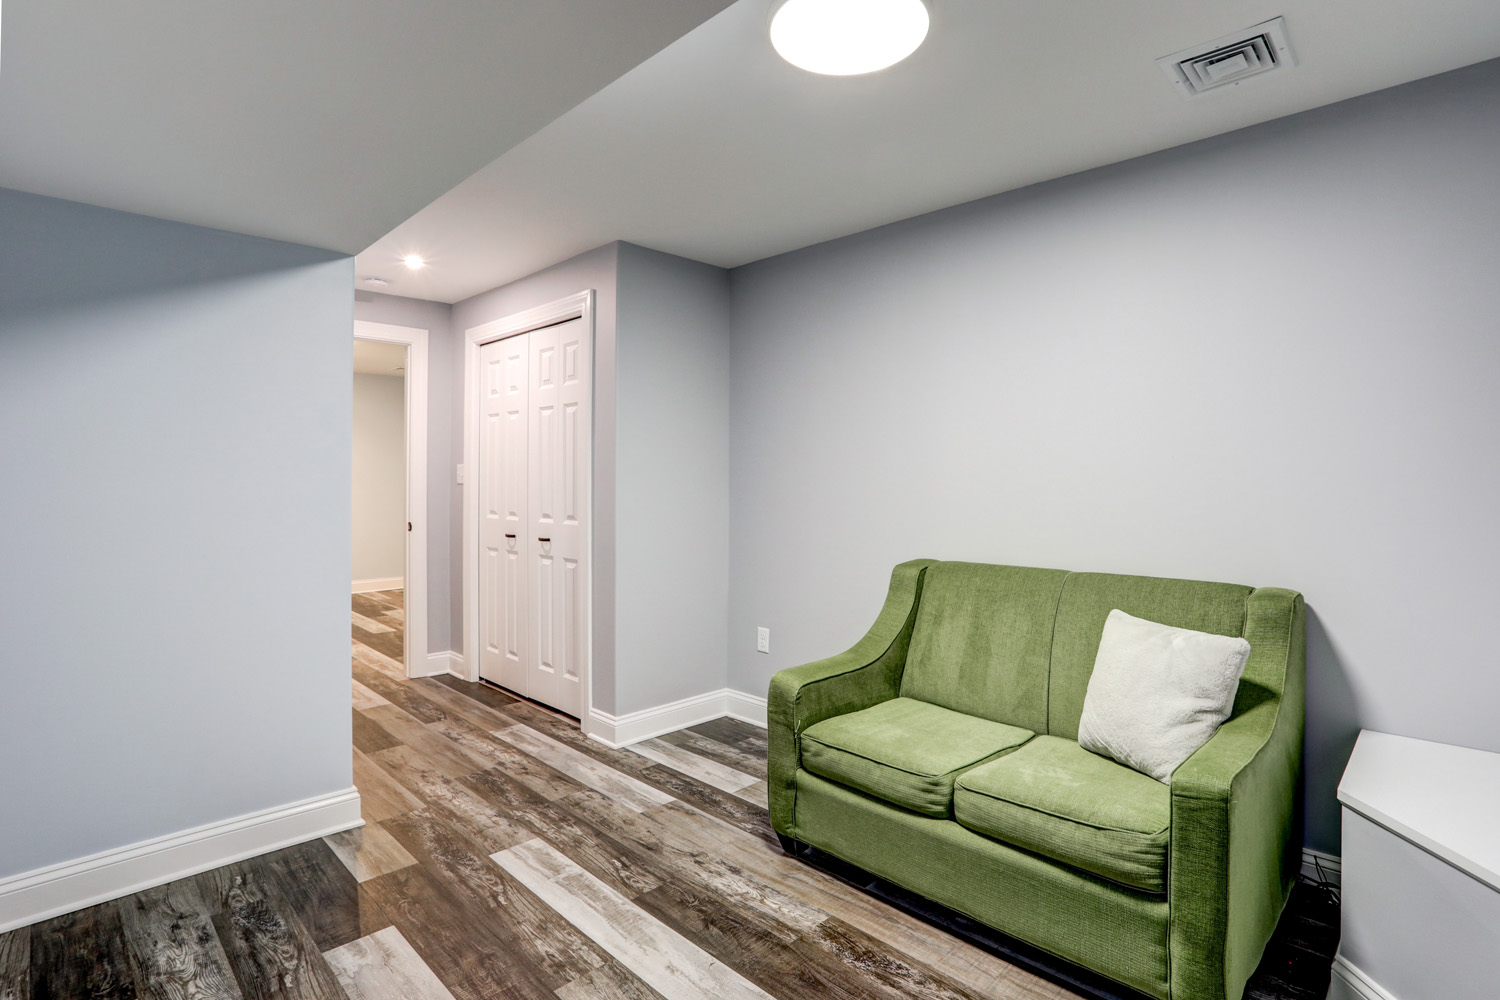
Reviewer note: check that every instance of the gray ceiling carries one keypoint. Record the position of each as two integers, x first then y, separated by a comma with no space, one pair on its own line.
323,122
717,150
496,137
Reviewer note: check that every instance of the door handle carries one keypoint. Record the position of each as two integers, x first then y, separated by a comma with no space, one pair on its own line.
508,535
544,539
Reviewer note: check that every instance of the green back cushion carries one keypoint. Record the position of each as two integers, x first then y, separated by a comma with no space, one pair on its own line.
982,639
1088,598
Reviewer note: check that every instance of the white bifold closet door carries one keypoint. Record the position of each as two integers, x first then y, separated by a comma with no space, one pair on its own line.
533,477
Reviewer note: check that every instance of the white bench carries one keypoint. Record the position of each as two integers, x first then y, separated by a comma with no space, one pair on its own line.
1421,872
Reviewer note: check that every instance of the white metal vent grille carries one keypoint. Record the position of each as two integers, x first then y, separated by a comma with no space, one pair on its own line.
1229,60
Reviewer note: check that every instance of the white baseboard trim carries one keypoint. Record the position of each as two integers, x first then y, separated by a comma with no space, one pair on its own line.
1349,982
446,662
622,730
72,885
383,583
1331,864
745,707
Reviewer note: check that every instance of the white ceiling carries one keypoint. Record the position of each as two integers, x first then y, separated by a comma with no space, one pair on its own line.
323,122
717,150
373,357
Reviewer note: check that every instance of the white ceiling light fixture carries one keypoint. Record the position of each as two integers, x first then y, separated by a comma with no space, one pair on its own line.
414,261
848,37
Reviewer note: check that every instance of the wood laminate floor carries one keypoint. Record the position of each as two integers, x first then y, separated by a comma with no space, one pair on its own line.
506,856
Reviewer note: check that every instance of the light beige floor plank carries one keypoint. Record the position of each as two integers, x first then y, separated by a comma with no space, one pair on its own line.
710,772
670,963
758,793
369,624
376,660
364,697
384,966
369,851
629,792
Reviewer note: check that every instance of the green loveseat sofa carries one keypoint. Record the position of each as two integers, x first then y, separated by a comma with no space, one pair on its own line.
940,754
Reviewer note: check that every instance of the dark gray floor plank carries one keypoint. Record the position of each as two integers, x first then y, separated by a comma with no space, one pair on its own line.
481,692
469,812
82,956
320,892
454,940
751,739
15,964
272,955
173,944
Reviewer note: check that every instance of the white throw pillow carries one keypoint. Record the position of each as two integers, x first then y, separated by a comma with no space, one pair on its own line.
1158,693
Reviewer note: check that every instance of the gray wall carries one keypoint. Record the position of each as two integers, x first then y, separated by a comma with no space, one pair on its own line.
379,469
174,573
1269,358
672,484
444,441
594,269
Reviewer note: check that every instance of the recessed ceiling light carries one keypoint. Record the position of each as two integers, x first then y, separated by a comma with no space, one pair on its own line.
847,37
374,282
415,261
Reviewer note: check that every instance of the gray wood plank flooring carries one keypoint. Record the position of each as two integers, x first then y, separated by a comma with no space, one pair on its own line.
507,856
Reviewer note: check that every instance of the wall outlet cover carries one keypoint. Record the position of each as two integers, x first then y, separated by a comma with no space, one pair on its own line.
762,640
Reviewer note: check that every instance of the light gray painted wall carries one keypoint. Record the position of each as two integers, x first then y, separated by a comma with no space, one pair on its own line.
594,269
444,442
672,483
379,507
1268,358
163,486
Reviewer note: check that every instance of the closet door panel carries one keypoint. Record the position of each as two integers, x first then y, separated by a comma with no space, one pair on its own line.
503,498
559,424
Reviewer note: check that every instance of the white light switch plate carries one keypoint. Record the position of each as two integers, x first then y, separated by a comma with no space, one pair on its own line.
762,640
460,474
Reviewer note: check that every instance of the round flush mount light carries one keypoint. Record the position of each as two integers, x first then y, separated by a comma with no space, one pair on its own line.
374,282
414,261
847,37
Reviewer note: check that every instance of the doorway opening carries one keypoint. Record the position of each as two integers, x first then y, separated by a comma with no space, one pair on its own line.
389,499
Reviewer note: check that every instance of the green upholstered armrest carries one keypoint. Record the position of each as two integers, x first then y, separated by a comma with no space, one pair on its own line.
1233,854
869,673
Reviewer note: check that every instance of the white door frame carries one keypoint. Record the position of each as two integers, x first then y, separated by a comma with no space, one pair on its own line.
578,306
418,663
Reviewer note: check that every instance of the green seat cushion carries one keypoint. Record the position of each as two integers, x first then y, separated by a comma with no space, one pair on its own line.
905,751
1055,798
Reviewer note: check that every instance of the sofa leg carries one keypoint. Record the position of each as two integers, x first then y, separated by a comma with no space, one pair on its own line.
790,846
